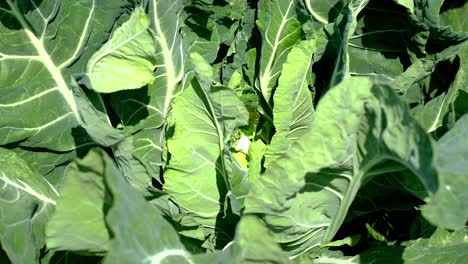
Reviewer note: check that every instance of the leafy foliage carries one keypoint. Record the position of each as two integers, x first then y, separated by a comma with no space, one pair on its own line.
211,131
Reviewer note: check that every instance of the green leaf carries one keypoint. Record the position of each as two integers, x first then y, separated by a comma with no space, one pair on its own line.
423,68
95,121
329,257
324,11
293,100
368,54
26,202
440,37
351,133
441,247
406,3
78,222
131,167
198,174
432,114
344,28
44,44
239,48
254,243
428,10
166,24
49,164
448,208
454,17
350,241
201,34
428,83
127,60
144,112
140,233
256,153
280,30
239,187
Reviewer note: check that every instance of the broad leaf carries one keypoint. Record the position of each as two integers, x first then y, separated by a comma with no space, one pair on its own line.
144,112
42,69
454,17
441,247
26,202
293,100
256,152
127,60
198,174
449,207
324,11
368,54
254,243
343,29
349,135
78,222
43,44
132,219
406,3
280,30
138,173
201,33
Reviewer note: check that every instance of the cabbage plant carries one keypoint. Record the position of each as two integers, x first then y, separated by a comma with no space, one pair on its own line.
233,131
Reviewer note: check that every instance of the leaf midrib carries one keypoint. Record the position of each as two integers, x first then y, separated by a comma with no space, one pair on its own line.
266,75
47,61
171,78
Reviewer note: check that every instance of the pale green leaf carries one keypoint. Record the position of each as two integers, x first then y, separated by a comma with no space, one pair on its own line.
305,195
368,54
256,152
37,61
324,11
344,28
144,112
201,33
406,3
43,45
78,221
140,233
280,30
454,17
293,101
197,176
131,167
165,21
26,202
449,207
442,247
127,60
254,243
